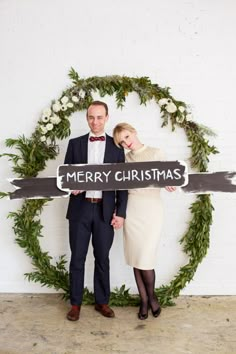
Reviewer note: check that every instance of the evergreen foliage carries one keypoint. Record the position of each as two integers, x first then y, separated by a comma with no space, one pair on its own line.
34,152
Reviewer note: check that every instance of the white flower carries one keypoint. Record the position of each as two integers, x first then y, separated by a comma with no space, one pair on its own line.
64,99
163,101
171,107
47,112
181,109
180,119
189,116
55,119
43,129
49,126
45,119
56,106
64,107
43,138
75,99
81,93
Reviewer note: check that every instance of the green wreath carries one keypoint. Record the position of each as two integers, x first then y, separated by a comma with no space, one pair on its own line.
54,124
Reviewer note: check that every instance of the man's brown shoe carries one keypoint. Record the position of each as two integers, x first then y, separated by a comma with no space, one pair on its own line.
73,314
105,310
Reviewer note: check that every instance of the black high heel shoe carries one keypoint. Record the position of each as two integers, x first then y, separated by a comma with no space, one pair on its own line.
141,315
157,312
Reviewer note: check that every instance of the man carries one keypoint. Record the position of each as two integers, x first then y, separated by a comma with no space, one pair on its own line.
93,213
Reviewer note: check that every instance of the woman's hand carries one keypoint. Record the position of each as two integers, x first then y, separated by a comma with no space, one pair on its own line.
170,188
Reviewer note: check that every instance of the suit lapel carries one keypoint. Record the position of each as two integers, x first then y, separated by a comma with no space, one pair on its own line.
108,150
84,148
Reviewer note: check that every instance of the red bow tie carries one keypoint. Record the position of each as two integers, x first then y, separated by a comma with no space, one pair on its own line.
97,138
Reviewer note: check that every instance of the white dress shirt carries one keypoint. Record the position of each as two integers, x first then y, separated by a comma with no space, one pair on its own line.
96,152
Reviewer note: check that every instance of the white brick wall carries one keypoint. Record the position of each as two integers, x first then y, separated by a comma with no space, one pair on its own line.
189,46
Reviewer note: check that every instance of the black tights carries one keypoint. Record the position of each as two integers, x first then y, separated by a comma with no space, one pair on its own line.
145,280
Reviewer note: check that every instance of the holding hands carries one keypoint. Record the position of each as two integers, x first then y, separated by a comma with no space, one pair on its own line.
117,221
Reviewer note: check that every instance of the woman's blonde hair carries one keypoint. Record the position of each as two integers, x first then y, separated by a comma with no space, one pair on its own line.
119,128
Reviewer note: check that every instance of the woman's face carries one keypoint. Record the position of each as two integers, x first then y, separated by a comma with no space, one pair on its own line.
128,140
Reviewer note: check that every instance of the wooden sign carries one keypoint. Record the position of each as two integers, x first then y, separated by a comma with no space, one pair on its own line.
115,176
203,183
36,188
118,176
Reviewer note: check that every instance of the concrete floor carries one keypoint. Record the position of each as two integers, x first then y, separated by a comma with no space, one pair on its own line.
37,324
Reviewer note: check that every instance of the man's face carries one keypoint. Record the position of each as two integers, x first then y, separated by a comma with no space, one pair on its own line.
97,118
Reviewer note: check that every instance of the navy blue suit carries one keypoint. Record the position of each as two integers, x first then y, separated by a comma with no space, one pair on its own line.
86,219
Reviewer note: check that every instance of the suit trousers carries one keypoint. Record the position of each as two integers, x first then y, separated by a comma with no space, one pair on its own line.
90,223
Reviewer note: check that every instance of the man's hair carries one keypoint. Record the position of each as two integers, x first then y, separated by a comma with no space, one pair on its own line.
99,103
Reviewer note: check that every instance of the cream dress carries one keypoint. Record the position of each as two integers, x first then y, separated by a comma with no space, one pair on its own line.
143,217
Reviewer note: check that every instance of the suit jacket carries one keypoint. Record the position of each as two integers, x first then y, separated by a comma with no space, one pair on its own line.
112,201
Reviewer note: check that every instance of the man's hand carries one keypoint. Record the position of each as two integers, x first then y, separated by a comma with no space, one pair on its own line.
117,221
76,192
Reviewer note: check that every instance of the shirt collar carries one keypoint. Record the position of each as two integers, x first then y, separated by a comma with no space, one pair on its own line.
91,134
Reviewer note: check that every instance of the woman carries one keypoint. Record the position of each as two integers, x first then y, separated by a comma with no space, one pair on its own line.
143,221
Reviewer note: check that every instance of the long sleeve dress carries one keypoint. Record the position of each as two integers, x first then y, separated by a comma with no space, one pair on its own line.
144,217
